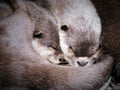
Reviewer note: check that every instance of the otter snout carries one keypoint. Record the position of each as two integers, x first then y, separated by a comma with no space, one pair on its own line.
62,61
86,61
82,63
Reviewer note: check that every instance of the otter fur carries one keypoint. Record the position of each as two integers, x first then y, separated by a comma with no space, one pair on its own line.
109,12
5,9
21,68
46,38
79,29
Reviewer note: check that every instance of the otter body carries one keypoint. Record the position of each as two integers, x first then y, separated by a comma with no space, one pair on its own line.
21,68
79,29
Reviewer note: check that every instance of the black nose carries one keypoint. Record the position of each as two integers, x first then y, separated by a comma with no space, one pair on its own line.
82,63
63,61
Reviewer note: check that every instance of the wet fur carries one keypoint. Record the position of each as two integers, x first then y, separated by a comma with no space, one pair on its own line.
21,68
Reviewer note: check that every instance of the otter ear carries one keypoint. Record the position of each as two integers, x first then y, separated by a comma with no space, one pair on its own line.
37,34
64,28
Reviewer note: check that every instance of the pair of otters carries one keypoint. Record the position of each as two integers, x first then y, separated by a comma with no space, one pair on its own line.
31,29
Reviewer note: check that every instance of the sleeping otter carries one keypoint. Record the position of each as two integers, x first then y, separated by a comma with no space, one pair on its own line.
21,68
46,39
79,29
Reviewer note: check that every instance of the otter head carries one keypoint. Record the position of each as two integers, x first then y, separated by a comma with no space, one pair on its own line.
46,43
45,37
79,40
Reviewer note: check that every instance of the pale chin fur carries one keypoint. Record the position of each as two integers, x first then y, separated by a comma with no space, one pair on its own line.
45,52
63,44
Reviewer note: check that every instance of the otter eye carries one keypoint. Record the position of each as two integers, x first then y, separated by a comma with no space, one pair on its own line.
37,34
64,28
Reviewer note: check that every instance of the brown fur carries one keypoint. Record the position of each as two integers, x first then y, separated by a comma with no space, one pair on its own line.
47,42
21,68
109,11
49,30
77,27
5,10
116,87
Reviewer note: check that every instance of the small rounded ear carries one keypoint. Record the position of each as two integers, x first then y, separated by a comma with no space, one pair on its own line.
64,28
37,34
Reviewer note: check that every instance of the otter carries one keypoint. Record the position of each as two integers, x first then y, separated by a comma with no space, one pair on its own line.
21,68
79,29
46,39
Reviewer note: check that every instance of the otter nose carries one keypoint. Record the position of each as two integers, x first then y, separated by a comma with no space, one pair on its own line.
81,63
63,61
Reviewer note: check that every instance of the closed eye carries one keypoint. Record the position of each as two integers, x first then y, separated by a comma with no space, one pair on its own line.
52,47
37,34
